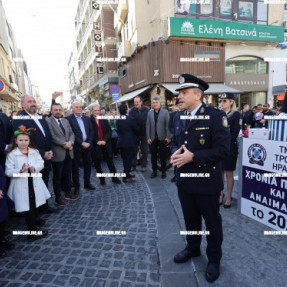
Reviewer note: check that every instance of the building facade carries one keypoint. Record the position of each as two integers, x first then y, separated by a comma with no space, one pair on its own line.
226,43
93,67
13,68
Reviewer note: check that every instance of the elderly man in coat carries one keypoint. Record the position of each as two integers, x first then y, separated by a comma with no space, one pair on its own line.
158,134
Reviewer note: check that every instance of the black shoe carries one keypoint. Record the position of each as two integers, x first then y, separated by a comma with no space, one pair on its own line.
77,191
212,271
40,222
131,176
173,179
220,202
48,209
116,180
2,253
227,205
185,255
103,181
163,175
153,175
90,187
133,169
6,244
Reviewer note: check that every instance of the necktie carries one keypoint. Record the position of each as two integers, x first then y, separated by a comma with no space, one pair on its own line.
62,127
187,121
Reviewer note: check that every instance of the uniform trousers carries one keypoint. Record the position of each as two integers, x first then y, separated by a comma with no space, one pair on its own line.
194,207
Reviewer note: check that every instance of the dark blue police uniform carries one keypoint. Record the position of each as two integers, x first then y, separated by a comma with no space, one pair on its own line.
209,141
234,124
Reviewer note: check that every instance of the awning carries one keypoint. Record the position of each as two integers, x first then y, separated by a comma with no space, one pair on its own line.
213,89
133,94
278,90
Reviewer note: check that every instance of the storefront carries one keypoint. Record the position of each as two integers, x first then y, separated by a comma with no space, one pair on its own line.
249,74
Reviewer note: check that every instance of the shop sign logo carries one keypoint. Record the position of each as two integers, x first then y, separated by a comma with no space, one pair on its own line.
187,28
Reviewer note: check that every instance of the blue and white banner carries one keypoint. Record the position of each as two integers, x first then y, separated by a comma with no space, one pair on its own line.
264,182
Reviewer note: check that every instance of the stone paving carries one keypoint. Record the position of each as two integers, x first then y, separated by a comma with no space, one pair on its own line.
74,255
149,211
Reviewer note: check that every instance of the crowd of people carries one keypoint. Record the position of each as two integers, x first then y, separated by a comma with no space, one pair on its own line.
33,145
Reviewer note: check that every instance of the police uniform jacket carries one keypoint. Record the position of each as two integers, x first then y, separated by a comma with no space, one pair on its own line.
209,140
234,124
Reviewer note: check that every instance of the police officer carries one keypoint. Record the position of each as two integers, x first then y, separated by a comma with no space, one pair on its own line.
198,147
234,119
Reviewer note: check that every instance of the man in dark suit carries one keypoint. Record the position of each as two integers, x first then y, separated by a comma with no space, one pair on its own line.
139,112
158,135
127,131
6,137
42,137
63,139
102,145
198,147
284,105
84,134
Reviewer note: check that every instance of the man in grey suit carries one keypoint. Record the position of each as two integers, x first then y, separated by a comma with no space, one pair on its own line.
158,134
63,139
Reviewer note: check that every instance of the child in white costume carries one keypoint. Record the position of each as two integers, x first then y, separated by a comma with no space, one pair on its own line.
27,189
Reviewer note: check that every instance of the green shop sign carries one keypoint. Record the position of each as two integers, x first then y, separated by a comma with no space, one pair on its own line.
183,27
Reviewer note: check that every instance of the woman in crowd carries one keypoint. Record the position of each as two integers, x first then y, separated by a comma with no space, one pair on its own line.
28,191
234,118
127,130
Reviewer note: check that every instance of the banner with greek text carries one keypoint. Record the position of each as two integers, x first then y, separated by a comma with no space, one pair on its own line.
264,182
183,27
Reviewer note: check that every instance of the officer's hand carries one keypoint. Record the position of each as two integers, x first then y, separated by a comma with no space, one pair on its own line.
149,141
179,159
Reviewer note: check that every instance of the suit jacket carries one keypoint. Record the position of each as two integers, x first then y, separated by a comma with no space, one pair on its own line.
140,116
161,125
6,135
59,137
6,204
43,142
284,105
107,134
209,140
78,133
127,131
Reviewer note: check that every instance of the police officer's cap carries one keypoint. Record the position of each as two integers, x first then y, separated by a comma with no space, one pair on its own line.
229,96
187,81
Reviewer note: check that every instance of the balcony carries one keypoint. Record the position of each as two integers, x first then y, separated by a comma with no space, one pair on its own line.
122,11
124,50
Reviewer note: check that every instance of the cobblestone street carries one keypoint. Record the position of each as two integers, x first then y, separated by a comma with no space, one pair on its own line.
74,255
150,213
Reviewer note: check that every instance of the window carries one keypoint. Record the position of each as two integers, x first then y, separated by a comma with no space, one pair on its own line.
183,7
211,55
262,13
226,8
246,65
245,9
206,9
